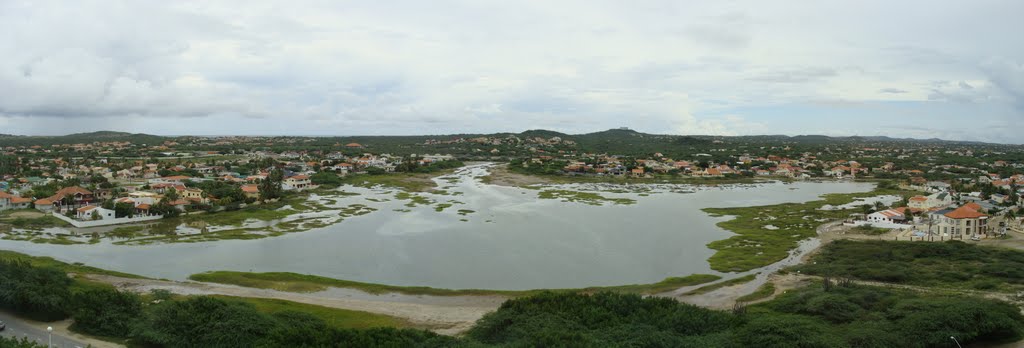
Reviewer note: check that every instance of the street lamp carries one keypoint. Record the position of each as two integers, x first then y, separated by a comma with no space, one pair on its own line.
49,336
957,342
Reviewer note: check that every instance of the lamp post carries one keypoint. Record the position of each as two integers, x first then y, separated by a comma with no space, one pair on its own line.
49,336
957,342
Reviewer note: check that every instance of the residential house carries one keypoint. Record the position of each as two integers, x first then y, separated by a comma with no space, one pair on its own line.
92,212
938,200
296,183
193,195
919,202
251,191
892,216
72,197
9,201
965,220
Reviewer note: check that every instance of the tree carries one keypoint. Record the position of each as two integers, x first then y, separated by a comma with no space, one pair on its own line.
106,311
124,209
865,208
171,194
270,188
202,322
40,293
325,179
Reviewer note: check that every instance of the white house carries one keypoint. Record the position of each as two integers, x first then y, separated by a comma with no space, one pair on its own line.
890,216
9,201
87,213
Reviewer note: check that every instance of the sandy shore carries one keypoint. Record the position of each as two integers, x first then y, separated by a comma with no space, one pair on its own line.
500,175
448,315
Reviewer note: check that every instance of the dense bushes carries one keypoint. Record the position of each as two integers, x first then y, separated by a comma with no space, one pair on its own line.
948,264
601,319
23,342
815,316
106,312
808,317
210,322
38,293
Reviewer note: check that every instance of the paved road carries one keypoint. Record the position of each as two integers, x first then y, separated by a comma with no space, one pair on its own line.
19,328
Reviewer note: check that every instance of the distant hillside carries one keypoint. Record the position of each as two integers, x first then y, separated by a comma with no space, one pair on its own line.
543,133
104,136
619,140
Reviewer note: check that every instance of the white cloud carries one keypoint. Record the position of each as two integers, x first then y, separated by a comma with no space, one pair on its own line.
440,66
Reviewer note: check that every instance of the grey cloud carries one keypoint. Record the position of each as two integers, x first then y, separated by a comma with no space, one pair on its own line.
1008,77
796,75
892,91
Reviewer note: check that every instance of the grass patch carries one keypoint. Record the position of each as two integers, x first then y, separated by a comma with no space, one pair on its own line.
764,291
37,222
293,282
756,246
339,318
716,286
951,264
78,268
582,197
869,230
668,284
414,182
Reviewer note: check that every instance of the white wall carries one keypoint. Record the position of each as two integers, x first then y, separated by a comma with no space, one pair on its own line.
107,222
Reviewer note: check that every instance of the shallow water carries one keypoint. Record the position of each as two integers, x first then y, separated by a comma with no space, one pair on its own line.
513,240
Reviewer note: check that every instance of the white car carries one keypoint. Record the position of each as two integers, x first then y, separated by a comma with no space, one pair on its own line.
2,326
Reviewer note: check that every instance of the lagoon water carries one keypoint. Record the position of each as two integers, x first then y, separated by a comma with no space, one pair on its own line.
513,240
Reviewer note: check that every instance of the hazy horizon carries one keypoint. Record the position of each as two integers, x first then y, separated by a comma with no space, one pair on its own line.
917,69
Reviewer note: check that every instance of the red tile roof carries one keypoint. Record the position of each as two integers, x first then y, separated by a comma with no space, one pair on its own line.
965,212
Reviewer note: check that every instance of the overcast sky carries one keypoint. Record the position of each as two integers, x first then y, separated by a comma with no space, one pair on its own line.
947,69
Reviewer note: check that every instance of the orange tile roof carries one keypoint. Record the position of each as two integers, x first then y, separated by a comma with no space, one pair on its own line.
143,207
919,198
176,177
17,199
965,212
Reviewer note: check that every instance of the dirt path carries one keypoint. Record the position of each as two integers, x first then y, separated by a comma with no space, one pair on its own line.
448,315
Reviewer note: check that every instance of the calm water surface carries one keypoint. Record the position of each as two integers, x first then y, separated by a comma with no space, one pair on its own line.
513,240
